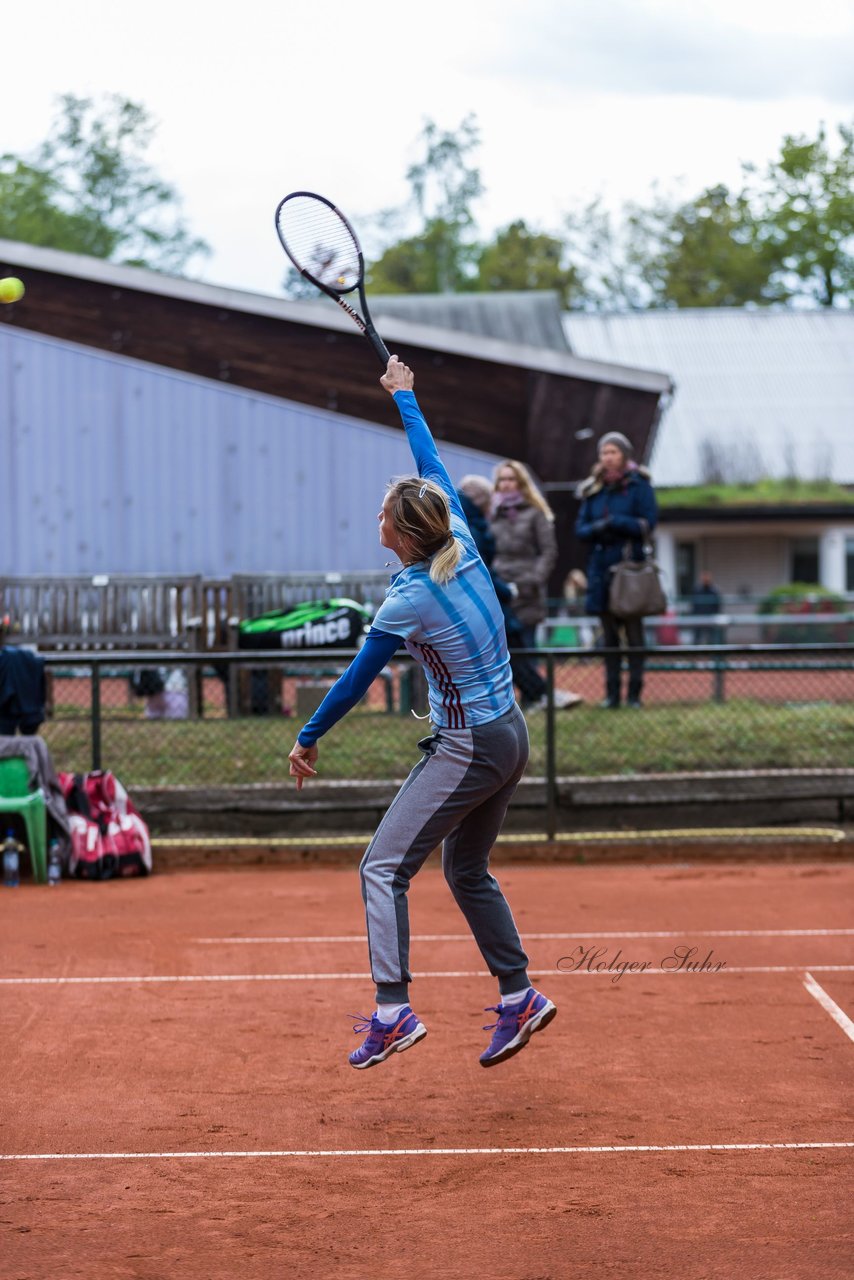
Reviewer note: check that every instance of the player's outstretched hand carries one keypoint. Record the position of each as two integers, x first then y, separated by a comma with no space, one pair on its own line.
397,377
302,761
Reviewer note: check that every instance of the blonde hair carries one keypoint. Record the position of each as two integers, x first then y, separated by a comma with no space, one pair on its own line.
527,487
422,517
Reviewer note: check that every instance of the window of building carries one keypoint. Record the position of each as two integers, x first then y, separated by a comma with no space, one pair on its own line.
686,567
803,560
849,564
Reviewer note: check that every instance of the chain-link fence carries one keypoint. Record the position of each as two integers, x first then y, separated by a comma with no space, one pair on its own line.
185,720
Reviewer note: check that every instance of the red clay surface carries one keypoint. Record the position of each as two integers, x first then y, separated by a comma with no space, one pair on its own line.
688,687
154,1069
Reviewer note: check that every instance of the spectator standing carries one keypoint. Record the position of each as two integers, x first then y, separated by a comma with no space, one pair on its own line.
706,602
618,507
525,554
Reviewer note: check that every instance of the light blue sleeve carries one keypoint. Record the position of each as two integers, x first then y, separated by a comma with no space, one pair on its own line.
430,466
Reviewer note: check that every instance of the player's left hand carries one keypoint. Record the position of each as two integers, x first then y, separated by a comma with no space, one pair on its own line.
302,761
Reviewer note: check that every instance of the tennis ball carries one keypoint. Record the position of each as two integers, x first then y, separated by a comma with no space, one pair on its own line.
11,289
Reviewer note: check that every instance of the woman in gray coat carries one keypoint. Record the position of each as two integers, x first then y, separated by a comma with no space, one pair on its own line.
525,554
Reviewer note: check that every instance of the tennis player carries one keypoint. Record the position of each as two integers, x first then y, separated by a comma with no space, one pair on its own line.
442,607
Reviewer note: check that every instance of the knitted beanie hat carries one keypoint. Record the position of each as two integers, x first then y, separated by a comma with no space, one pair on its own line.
617,438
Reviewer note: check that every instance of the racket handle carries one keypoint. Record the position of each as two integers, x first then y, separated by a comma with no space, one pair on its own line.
378,345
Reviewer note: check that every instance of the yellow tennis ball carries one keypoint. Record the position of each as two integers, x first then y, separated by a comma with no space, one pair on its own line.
11,289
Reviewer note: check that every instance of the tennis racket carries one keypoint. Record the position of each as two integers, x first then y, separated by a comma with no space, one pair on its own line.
324,248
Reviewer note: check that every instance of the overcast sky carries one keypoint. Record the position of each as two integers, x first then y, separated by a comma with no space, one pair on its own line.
574,98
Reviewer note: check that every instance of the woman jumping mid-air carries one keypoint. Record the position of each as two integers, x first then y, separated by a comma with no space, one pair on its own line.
441,605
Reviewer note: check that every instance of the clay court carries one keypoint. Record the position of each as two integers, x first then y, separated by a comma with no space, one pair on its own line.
177,1100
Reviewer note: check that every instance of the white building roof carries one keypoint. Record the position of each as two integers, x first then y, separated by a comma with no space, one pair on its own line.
772,391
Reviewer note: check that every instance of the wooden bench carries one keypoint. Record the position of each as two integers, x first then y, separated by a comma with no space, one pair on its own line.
104,612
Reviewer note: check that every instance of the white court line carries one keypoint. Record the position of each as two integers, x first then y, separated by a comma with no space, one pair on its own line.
539,937
830,1006
445,973
427,1151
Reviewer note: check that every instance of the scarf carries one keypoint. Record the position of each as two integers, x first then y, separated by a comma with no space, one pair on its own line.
508,504
611,478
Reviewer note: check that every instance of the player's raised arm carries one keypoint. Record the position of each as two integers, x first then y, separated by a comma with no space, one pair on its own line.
399,381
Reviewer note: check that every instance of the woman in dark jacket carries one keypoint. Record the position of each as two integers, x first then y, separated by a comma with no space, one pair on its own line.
618,507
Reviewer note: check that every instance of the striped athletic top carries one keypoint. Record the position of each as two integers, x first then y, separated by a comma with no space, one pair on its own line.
456,630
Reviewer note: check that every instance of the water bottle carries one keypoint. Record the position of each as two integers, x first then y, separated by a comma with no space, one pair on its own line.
11,860
54,863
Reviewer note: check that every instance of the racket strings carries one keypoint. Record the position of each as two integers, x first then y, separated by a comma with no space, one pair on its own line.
320,243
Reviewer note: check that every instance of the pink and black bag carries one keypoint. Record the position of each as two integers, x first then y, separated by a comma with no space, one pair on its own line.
108,836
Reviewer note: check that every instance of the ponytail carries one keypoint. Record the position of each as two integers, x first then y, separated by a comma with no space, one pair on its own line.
443,566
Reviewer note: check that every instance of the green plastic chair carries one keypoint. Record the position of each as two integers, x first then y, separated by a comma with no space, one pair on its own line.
16,797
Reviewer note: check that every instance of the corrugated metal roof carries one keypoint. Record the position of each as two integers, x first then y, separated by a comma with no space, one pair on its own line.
771,389
532,318
110,465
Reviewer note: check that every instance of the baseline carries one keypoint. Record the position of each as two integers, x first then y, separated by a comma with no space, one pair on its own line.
428,1151
555,937
604,972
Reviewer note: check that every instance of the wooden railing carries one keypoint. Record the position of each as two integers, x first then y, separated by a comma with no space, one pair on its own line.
147,611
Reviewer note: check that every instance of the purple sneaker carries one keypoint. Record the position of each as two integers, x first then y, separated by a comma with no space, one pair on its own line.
515,1026
382,1040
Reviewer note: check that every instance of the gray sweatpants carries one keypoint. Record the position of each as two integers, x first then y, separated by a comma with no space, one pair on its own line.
458,793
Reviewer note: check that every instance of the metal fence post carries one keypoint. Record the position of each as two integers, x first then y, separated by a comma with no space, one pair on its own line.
96,716
551,754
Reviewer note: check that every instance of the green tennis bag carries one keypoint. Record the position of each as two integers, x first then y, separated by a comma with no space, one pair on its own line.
318,624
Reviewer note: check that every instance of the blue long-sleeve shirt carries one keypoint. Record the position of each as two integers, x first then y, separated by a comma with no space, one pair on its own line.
454,630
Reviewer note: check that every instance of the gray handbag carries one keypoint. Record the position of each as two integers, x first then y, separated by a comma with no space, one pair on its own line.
635,590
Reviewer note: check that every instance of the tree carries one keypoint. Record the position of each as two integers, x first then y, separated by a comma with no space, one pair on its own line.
88,188
706,252
440,257
785,236
805,215
519,258
426,263
608,274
